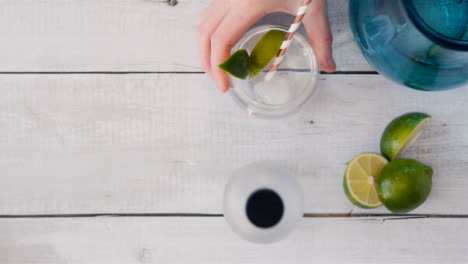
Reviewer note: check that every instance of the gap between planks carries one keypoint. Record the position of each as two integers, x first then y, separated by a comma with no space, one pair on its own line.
163,72
362,216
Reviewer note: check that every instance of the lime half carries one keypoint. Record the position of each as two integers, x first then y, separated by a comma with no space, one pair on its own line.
360,179
401,133
237,64
265,50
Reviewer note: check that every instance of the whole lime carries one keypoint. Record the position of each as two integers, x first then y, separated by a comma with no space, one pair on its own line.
404,184
400,133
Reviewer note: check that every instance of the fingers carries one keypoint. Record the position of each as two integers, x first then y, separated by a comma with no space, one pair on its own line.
318,30
209,21
227,34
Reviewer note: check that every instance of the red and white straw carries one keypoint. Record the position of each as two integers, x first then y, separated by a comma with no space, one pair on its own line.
287,40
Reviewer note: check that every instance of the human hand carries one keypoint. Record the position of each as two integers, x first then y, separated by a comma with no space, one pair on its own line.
225,21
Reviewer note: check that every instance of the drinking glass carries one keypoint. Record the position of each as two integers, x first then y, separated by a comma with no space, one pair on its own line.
290,88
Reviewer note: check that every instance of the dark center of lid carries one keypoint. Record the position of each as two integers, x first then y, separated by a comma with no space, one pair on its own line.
264,208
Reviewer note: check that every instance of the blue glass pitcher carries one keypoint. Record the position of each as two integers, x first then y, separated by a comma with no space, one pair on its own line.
422,44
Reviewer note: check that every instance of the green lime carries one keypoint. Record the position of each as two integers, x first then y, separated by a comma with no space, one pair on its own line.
237,64
401,133
265,50
360,179
404,184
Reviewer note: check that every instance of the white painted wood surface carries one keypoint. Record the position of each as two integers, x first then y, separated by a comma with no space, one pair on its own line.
208,240
166,143
125,35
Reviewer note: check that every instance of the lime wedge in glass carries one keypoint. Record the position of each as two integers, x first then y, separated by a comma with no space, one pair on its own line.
265,50
237,64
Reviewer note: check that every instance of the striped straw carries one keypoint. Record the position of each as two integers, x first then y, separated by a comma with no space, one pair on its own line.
287,40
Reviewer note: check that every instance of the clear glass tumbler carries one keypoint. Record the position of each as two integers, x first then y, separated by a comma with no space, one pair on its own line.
292,85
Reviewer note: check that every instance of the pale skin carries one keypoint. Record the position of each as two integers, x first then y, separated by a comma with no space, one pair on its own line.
225,21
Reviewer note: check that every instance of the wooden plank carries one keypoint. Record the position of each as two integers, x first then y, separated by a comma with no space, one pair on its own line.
125,35
209,240
167,143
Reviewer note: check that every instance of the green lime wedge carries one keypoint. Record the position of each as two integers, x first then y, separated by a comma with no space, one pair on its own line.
401,133
237,64
404,184
265,50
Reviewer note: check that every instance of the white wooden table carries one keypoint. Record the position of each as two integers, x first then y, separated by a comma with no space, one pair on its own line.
115,147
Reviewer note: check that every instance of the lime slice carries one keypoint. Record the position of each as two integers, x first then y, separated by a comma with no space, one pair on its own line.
404,184
237,64
265,50
360,180
401,133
